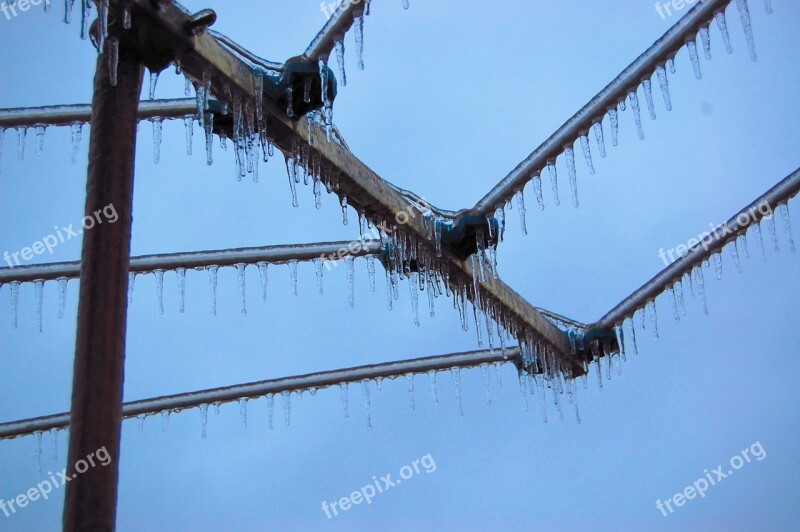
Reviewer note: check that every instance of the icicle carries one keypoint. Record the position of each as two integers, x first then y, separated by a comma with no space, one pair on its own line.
691,46
338,44
293,275
613,118
405,4
551,168
85,17
181,273
647,88
358,31
599,137
744,15
203,420
773,233
131,282
39,288
343,203
286,406
365,392
523,387
457,384
674,301
410,383
632,334
318,268
270,408
14,303
102,15
2,137
156,120
371,272
432,379
705,40
413,283
38,450
717,259
487,389
164,421
62,295
350,264
77,131
208,127
243,410
637,114
671,64
661,73
734,247
519,198
22,131
263,274
54,436
587,152
240,276
719,16
700,284
498,378
126,17
768,6
212,276
537,190
68,5
343,391
112,49
160,289
187,87
783,208
678,288
188,123
290,171
40,129
569,155
759,241
153,82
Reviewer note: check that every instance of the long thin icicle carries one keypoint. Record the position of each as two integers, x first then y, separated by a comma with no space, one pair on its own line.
569,154
747,26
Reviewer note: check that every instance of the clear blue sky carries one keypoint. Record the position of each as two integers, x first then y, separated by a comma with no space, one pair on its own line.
453,96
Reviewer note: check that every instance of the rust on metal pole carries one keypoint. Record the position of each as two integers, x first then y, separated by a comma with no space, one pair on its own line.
96,414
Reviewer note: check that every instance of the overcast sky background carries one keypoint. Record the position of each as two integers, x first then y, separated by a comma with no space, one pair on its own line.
453,96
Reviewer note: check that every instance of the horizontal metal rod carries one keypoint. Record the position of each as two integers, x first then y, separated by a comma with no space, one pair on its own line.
336,26
200,259
628,80
780,193
64,115
178,402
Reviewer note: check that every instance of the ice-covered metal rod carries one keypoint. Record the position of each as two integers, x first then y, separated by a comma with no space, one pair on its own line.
174,403
338,24
64,115
617,90
780,193
199,259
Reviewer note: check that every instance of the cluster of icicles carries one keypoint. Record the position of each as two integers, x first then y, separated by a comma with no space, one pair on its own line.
533,385
613,115
692,279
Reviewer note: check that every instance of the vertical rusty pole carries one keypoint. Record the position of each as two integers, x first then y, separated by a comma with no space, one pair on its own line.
96,414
